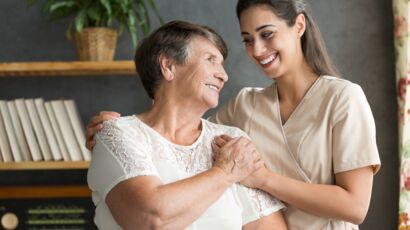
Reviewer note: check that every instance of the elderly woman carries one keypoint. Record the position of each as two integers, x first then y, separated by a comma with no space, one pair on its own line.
156,170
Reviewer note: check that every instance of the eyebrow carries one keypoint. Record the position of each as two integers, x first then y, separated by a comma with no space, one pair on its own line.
259,28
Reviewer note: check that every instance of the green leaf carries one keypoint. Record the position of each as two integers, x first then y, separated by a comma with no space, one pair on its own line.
80,20
58,5
124,5
144,20
58,9
154,9
131,28
93,14
107,6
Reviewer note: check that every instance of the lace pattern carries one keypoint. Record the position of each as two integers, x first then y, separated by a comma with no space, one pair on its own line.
132,155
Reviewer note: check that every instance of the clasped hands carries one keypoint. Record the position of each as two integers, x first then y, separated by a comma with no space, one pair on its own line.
239,159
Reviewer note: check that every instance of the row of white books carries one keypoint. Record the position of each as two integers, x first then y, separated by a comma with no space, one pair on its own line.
35,130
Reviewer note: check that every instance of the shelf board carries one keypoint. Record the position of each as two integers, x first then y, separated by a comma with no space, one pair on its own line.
74,68
47,192
44,165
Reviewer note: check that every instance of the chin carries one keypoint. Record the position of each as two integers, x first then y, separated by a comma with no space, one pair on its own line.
273,73
212,104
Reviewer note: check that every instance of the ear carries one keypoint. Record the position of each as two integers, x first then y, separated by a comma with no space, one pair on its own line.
300,24
167,67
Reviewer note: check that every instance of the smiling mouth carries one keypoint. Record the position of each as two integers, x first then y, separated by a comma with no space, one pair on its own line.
268,60
213,87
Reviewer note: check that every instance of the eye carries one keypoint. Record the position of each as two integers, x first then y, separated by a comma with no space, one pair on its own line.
266,34
212,59
247,41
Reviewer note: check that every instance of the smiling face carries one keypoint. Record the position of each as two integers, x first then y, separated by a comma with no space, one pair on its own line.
202,77
269,41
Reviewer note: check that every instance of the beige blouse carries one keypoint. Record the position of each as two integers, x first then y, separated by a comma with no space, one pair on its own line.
332,130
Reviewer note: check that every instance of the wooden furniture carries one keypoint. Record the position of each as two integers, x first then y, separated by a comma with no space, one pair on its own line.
75,68
44,165
57,69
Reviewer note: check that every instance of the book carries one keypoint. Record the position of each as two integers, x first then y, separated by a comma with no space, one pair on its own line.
21,139
38,129
66,130
78,128
28,129
56,130
48,131
11,135
4,143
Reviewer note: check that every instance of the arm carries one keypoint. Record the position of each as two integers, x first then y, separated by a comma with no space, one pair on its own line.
146,202
273,221
347,200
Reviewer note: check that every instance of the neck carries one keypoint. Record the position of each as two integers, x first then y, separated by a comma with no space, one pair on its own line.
293,85
176,120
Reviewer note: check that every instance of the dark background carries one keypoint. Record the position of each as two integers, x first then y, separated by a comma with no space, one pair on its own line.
358,35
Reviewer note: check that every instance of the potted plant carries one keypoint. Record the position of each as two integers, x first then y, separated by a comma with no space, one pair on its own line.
94,22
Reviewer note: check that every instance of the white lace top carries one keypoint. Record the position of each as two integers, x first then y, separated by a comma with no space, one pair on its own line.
127,147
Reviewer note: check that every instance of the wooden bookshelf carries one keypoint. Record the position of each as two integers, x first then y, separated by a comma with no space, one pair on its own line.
74,68
44,165
46,192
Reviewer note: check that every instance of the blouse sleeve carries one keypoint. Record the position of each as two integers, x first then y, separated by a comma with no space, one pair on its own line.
119,154
354,132
256,204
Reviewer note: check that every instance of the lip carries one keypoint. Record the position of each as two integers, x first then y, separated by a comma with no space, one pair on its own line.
267,60
215,87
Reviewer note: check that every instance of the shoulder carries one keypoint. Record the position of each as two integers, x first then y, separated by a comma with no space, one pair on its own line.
348,99
252,92
340,87
122,127
248,97
218,129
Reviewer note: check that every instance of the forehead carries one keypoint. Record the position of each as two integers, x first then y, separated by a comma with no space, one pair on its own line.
256,16
201,46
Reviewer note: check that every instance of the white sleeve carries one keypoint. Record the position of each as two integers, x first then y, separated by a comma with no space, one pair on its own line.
256,203
119,154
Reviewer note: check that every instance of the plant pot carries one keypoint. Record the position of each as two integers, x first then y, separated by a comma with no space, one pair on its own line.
96,44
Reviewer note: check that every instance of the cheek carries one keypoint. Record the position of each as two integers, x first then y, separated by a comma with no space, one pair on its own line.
249,51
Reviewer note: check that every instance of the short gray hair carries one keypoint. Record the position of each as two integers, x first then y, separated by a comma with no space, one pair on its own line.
173,40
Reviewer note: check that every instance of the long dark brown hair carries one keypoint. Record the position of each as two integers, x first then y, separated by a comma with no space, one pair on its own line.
313,46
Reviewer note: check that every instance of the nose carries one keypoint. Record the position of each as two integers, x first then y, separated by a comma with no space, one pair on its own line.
222,75
258,48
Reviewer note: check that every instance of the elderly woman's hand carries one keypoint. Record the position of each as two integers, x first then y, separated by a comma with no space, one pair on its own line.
237,157
255,179
95,125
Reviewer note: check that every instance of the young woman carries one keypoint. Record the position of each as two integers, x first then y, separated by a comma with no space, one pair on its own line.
315,131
